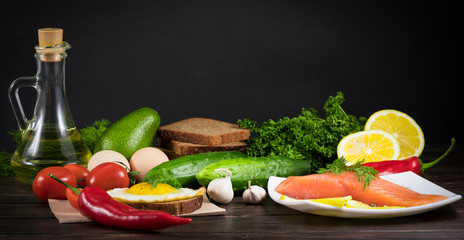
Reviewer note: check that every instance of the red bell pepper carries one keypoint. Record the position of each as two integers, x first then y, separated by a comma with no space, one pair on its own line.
413,164
96,204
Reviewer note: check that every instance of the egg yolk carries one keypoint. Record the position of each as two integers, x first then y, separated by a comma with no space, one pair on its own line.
148,189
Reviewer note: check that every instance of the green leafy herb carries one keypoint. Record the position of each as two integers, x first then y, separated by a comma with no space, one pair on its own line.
91,134
17,135
363,174
306,136
165,176
5,157
5,166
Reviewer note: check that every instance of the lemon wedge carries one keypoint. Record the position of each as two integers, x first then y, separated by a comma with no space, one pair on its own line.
371,146
402,127
336,201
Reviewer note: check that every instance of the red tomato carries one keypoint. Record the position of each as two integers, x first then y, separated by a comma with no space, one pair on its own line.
79,172
45,187
72,198
108,175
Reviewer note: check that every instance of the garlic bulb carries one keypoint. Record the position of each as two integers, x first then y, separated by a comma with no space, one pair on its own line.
220,190
254,194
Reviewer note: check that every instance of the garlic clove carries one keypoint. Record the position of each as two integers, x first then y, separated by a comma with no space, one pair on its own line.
254,194
220,190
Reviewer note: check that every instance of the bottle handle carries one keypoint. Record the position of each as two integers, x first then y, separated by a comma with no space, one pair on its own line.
13,94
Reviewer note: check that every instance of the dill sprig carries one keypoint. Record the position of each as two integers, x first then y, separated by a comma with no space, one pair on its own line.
5,166
363,174
5,157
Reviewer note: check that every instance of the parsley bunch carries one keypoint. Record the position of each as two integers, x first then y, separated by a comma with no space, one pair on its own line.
306,136
90,134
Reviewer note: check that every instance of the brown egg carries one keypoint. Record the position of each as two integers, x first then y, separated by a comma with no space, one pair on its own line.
145,159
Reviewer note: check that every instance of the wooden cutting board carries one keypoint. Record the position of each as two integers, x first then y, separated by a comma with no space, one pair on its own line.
65,213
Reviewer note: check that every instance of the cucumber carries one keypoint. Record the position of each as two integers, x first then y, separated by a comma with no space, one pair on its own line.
180,172
256,169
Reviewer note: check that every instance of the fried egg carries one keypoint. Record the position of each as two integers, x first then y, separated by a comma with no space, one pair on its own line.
146,193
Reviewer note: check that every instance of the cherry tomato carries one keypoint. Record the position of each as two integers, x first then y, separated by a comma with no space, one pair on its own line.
72,198
108,175
79,172
45,187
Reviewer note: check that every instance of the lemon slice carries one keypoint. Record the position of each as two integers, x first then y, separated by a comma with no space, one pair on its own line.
371,146
336,201
358,204
402,127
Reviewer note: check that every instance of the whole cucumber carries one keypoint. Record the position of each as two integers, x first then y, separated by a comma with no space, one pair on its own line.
180,172
254,169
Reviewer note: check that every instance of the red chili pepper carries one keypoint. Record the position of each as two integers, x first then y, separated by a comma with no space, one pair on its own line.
413,164
396,166
96,204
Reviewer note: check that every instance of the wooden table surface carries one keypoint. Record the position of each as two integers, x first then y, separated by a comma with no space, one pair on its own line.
23,216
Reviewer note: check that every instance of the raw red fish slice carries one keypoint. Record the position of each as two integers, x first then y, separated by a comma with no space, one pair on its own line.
312,187
379,193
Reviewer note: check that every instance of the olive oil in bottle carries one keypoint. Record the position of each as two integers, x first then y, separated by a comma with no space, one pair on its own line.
49,149
50,137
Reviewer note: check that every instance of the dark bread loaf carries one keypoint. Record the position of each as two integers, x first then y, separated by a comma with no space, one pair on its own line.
203,131
171,154
183,148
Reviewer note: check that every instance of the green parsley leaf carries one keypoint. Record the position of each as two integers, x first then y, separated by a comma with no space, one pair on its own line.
306,136
91,134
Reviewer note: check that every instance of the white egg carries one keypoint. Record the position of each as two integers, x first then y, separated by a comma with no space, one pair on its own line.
145,159
107,156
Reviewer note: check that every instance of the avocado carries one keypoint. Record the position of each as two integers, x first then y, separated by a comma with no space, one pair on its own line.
130,133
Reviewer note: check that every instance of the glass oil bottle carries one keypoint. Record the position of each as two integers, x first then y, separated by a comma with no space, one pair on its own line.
50,137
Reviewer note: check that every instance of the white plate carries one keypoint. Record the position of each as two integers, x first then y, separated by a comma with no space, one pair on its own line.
406,179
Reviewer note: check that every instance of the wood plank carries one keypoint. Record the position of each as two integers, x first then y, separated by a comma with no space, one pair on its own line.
24,216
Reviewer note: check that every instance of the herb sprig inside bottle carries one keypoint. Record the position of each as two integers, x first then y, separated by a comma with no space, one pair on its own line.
363,174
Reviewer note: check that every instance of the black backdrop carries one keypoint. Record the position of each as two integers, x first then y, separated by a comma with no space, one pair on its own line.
234,59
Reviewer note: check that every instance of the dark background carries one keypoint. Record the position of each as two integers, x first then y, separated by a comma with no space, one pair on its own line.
234,59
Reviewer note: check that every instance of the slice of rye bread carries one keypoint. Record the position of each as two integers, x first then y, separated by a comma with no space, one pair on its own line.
171,154
174,207
183,148
203,131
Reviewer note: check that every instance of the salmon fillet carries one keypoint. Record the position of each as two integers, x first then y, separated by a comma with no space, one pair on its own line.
379,193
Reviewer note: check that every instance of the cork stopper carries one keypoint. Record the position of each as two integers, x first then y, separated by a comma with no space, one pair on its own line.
50,36
51,46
